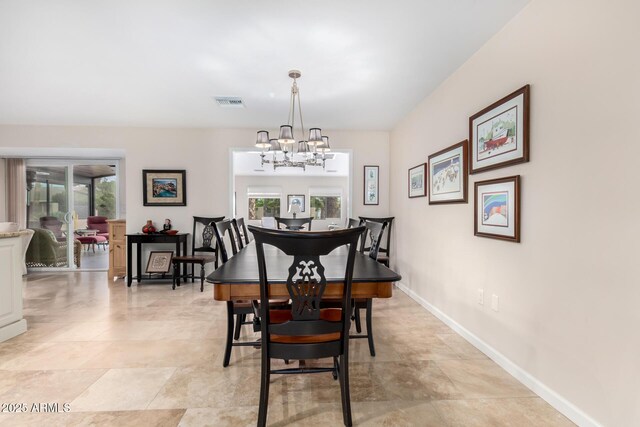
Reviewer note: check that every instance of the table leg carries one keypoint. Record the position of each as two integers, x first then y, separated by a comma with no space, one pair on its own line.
129,266
139,260
185,268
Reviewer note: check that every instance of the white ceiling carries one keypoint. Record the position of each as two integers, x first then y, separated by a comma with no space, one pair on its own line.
248,163
365,63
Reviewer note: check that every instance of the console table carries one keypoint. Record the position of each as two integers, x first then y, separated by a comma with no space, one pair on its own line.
139,239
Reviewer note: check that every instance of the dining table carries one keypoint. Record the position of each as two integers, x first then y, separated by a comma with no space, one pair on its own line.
238,278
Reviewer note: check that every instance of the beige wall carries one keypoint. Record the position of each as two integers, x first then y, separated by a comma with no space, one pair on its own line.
569,293
292,185
204,153
3,204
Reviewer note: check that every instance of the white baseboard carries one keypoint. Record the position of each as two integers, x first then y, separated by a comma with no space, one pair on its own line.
13,330
565,407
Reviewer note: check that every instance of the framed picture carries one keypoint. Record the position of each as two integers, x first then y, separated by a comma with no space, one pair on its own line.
497,208
371,184
159,262
164,187
448,174
499,134
296,199
418,181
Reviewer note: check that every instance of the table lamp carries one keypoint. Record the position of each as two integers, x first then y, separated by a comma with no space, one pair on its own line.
294,209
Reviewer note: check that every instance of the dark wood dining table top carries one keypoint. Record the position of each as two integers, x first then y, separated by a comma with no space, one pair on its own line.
238,277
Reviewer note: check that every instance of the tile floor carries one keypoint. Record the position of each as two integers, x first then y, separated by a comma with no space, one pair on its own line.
150,356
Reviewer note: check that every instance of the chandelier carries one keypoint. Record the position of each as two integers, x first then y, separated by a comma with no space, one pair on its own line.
285,151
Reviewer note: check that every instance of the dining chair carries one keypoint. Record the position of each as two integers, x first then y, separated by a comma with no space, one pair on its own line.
385,250
202,228
238,310
374,231
241,230
294,224
305,331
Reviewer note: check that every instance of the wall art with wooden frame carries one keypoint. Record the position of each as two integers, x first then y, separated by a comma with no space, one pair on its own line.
497,208
448,174
499,134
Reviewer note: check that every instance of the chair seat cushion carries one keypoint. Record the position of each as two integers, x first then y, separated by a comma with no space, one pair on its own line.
282,316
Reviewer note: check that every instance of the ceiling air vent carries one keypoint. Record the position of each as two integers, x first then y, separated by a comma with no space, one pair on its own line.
229,101
332,170
258,170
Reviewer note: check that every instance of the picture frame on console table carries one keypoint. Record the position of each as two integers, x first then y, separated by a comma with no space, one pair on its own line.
497,208
418,181
164,187
449,174
159,262
371,185
499,134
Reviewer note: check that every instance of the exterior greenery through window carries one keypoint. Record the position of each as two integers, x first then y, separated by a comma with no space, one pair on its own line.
260,207
105,196
325,207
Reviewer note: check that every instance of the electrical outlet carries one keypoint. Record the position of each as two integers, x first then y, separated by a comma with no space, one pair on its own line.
481,296
494,302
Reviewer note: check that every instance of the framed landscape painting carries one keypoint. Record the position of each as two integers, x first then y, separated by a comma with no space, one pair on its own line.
164,187
418,181
499,134
448,176
371,184
497,208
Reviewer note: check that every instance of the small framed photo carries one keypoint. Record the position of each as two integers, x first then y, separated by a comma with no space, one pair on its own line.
371,184
448,174
159,262
295,199
497,208
164,187
499,134
418,181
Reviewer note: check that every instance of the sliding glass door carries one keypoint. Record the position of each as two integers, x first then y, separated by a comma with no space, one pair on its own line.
49,214
62,197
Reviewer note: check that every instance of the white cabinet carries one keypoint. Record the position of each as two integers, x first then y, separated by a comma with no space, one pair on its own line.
11,320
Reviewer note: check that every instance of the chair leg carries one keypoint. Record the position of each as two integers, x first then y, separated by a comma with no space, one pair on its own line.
239,322
372,349
356,311
344,388
202,278
264,389
174,277
227,349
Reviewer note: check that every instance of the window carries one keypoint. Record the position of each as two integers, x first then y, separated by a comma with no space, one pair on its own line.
260,207
326,207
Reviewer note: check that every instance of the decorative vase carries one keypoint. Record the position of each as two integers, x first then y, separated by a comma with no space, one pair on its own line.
148,227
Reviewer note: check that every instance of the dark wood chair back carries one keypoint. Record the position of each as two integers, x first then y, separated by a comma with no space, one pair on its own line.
294,223
352,223
241,232
386,248
221,228
207,235
374,232
306,284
